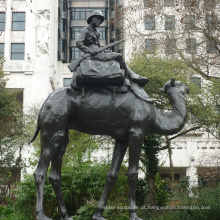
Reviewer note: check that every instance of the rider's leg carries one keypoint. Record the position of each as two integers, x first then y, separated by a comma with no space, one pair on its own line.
140,80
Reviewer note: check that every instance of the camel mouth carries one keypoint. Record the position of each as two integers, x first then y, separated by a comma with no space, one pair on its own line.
186,89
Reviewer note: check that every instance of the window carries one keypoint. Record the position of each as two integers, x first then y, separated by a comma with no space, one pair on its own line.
150,23
211,47
66,82
63,46
170,46
149,3
191,3
194,119
18,21
218,123
2,21
63,25
209,4
17,51
2,50
211,22
169,3
168,178
75,32
120,13
196,81
112,5
19,96
84,13
79,14
112,48
19,93
103,33
170,22
75,53
190,22
112,27
191,46
63,5
119,33
150,45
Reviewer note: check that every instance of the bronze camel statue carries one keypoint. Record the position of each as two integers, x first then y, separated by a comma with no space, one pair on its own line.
127,120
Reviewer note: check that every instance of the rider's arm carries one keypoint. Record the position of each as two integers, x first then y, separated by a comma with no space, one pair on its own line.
80,42
82,47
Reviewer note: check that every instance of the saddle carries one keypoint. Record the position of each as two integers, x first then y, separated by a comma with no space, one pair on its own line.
105,75
99,73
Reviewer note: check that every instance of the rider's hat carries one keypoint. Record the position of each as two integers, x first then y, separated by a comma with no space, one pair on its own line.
95,13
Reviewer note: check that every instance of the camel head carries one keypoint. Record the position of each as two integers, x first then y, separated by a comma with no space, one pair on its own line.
173,86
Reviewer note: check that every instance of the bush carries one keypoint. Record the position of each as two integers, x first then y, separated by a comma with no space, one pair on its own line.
80,184
9,213
162,196
142,189
117,198
204,205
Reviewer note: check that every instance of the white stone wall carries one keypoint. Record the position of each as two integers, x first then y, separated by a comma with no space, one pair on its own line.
31,74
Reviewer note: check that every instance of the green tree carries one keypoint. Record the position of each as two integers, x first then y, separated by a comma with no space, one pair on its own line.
12,149
80,147
9,107
159,70
185,29
186,32
10,113
201,104
149,159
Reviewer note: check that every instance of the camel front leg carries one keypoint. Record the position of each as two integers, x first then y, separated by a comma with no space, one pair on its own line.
135,145
118,155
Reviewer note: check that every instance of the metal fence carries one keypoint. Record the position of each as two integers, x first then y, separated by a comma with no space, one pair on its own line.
178,189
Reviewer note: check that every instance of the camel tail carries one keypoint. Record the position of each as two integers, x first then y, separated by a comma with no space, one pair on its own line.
37,129
35,134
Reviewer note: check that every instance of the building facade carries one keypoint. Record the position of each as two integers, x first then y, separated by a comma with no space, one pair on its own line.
189,30
37,41
38,38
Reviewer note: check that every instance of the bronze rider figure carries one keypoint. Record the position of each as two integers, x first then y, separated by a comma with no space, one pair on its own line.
88,42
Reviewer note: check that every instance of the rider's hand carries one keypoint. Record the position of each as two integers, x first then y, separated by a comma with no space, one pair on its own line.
92,51
107,51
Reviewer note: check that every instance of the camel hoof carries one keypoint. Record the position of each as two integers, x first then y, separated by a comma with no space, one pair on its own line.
66,218
42,217
136,218
98,218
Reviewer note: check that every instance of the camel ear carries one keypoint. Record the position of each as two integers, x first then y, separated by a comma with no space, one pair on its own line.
162,90
173,82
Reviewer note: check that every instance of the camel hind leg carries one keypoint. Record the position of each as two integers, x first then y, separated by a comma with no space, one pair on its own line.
40,176
53,145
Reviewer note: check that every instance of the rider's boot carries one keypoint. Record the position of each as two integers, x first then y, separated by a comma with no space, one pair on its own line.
140,80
